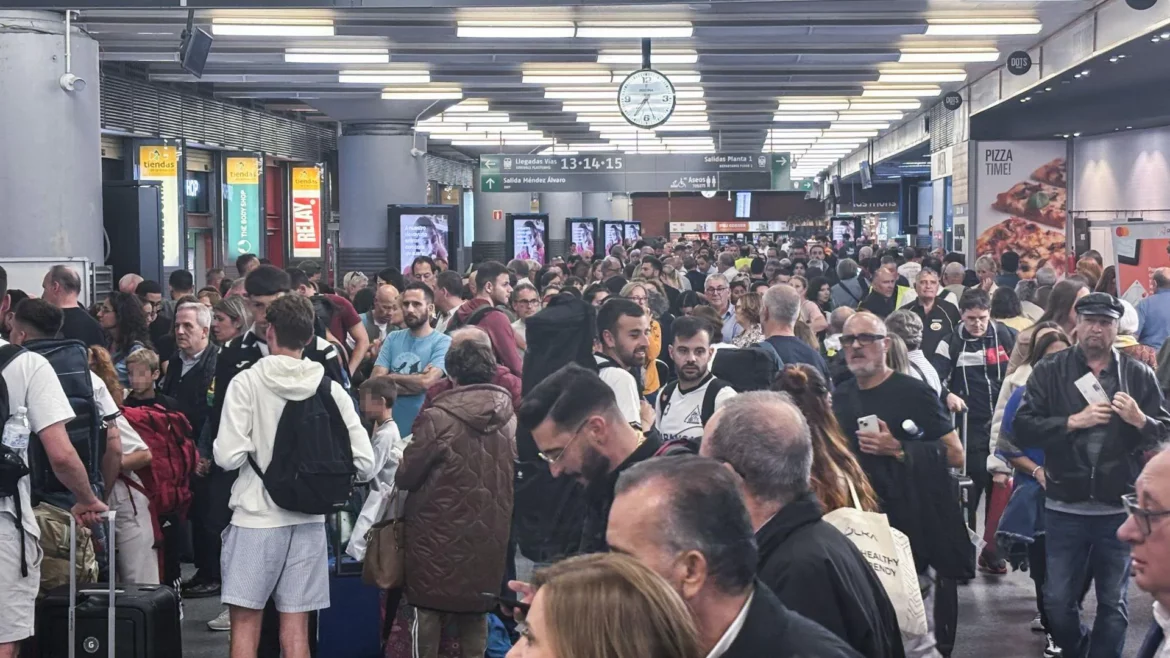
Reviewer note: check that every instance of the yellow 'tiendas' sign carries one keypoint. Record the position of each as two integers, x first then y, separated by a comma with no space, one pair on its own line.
158,161
243,171
306,178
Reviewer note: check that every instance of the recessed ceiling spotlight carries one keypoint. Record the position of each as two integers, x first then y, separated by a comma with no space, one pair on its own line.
1129,127
1025,99
1048,89
1076,134
1155,39
1121,56
1085,72
1113,60
1165,35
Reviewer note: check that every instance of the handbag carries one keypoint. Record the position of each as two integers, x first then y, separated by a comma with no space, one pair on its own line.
887,551
385,564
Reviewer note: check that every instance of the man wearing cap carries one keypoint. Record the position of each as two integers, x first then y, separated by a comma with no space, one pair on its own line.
1094,411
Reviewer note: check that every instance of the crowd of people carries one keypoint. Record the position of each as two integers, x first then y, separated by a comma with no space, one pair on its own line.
647,453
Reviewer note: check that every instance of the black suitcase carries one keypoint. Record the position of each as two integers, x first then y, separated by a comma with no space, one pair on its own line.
143,620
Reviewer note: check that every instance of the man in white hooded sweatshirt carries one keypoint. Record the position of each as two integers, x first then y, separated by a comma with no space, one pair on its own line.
269,551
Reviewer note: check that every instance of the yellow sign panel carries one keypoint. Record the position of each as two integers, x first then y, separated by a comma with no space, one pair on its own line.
158,161
243,171
306,178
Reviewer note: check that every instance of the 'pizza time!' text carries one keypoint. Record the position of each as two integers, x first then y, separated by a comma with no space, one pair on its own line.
998,162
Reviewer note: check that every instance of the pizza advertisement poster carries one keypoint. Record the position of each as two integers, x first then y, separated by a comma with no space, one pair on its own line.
1139,248
1021,203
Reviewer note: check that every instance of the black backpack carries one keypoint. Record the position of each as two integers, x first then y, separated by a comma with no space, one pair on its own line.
70,360
472,320
751,368
312,469
323,311
708,409
12,467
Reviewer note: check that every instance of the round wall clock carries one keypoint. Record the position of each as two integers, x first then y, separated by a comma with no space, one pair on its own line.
646,98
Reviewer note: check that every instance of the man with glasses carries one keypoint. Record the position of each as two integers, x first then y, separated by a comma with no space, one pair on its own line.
581,432
525,304
1147,531
1093,411
718,293
888,415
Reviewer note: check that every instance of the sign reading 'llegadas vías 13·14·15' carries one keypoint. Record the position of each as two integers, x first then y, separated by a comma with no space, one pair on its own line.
620,172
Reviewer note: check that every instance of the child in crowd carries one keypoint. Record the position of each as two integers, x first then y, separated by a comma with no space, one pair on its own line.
143,371
377,402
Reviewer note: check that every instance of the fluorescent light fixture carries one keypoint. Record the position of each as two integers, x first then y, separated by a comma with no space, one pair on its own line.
946,56
805,117
796,131
657,57
604,93
516,29
883,105
898,77
608,106
988,28
681,127
567,77
676,78
636,30
869,116
593,148
836,127
469,119
813,106
252,27
901,92
384,78
846,133
336,55
422,94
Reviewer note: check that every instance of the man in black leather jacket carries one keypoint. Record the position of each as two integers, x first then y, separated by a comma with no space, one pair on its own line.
1093,444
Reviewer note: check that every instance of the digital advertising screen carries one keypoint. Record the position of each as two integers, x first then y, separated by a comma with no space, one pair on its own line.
528,237
613,233
633,230
423,231
582,232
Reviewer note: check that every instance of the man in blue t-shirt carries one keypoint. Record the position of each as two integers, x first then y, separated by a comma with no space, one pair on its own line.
414,357
778,315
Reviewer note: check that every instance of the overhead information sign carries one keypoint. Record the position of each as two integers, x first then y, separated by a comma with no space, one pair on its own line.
634,173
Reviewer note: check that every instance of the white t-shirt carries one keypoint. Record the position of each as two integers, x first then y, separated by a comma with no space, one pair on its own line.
683,417
388,447
33,384
109,411
625,389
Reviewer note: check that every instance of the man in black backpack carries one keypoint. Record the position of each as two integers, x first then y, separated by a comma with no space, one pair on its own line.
686,404
284,424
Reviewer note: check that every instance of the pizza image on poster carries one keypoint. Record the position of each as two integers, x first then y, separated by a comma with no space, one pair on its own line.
1022,204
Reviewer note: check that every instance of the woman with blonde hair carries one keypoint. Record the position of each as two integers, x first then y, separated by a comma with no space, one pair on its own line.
353,282
747,313
834,465
605,605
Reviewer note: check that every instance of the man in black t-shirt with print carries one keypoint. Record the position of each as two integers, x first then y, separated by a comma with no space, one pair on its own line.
893,398
778,314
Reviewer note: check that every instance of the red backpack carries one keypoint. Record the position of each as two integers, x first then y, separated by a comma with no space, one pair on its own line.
167,481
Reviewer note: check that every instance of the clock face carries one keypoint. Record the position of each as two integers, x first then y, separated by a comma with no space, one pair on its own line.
646,98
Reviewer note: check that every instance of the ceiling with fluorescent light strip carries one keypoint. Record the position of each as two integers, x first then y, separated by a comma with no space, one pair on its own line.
816,78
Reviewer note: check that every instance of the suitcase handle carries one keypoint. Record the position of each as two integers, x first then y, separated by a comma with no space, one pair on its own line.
112,589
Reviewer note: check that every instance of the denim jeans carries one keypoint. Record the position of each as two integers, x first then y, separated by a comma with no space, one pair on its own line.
1076,542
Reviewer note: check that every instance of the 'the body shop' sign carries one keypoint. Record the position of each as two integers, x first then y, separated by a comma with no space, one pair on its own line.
306,212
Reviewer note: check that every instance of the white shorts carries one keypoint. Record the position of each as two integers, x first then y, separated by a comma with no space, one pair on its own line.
289,564
17,621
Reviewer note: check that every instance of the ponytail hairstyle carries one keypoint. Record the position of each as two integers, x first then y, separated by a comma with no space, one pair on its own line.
833,461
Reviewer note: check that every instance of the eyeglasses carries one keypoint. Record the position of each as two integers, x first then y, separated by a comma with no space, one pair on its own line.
1143,517
717,290
862,340
527,302
559,453
637,300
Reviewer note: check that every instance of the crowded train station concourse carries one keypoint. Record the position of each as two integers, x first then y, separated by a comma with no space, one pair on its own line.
575,329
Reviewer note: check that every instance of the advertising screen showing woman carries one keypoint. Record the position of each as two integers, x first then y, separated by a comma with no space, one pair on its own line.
528,241
422,235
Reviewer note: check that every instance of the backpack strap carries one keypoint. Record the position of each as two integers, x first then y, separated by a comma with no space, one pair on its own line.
713,389
664,396
479,314
8,353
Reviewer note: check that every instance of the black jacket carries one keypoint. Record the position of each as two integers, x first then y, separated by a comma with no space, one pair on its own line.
938,325
801,554
974,367
773,631
599,498
191,391
1073,476
1150,644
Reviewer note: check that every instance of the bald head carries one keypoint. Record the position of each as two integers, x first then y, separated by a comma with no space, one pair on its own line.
864,322
385,301
765,438
474,334
838,317
953,274
129,283
1162,278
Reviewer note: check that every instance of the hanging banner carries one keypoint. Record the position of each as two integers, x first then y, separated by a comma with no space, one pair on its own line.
1139,248
161,163
242,197
306,212
1021,203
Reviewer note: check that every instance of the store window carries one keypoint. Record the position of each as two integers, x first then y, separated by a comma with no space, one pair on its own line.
198,192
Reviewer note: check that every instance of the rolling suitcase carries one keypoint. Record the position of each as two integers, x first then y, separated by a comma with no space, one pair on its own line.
117,621
946,590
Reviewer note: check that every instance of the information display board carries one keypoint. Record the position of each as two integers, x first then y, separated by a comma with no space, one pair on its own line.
634,173
307,239
527,237
613,233
633,231
582,232
422,231
243,200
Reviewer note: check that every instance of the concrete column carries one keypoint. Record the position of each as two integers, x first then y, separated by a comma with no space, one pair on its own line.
375,170
605,205
50,177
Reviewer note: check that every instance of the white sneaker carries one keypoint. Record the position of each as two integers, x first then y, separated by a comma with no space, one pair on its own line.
1037,624
221,623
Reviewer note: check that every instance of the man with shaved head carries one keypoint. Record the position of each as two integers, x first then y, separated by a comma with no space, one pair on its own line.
129,283
764,438
503,377
887,416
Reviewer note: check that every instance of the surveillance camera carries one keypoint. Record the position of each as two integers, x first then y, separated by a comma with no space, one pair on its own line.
418,153
70,82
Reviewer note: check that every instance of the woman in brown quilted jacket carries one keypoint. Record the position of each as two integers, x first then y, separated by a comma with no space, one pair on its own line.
458,470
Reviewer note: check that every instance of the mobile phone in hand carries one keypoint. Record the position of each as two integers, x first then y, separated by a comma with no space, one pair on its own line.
508,604
868,424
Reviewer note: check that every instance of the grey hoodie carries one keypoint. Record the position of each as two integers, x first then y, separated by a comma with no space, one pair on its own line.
849,292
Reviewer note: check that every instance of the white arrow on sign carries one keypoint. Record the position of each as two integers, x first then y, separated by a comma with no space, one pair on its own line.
782,161
490,183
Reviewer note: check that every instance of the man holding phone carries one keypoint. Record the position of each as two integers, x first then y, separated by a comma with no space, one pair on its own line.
1094,411
883,413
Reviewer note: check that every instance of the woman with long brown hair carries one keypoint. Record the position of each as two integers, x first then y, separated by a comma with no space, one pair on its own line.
834,465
